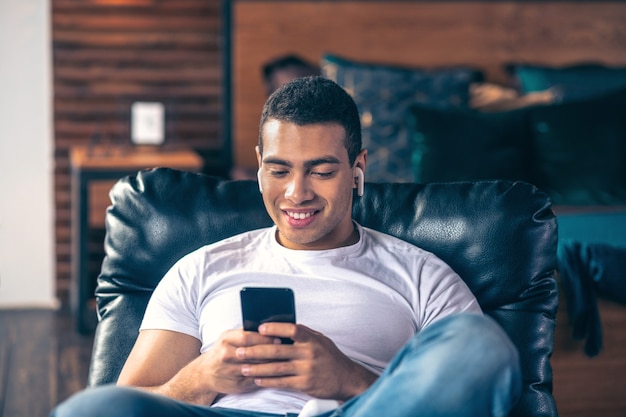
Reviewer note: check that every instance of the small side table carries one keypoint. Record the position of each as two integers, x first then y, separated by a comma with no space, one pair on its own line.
94,171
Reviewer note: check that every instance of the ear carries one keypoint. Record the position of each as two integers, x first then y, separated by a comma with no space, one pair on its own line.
360,181
359,167
259,157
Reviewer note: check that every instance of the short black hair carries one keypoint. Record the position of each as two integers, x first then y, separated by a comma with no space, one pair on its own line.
312,100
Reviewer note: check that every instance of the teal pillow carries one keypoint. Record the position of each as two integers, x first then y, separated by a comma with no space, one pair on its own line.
460,145
383,93
569,83
580,150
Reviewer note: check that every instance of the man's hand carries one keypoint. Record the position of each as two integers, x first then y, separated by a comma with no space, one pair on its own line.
313,364
218,370
168,363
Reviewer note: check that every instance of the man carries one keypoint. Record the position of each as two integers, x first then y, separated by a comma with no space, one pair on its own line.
384,328
283,69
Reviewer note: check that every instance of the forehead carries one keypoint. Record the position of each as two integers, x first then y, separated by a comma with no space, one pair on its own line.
294,142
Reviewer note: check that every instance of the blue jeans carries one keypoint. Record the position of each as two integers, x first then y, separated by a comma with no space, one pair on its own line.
462,365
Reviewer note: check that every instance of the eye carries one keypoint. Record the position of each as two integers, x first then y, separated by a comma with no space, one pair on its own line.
278,173
323,174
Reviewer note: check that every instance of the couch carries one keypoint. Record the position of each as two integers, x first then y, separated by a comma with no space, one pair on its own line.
500,236
562,129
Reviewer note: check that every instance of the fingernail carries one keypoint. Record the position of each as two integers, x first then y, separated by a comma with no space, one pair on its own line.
245,370
240,353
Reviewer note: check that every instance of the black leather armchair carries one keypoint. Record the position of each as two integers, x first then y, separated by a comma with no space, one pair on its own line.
500,236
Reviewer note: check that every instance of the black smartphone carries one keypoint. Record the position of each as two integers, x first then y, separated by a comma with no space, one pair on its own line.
267,304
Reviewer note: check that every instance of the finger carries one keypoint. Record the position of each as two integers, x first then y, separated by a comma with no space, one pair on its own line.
255,339
295,332
281,330
240,337
269,370
266,352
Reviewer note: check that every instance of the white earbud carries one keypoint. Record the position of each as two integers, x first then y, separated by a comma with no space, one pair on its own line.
258,177
360,181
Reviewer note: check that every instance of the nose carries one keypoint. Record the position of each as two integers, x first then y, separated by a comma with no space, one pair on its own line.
298,189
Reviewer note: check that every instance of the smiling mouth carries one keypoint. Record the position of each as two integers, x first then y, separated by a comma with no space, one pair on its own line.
300,215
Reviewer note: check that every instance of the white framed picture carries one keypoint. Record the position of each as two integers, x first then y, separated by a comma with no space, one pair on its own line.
147,120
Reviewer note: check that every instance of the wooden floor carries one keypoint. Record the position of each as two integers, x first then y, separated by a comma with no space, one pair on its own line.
592,387
43,361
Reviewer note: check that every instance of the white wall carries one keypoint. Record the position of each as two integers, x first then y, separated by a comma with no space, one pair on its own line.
26,155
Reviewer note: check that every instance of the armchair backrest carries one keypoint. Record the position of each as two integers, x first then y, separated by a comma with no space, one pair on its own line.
500,236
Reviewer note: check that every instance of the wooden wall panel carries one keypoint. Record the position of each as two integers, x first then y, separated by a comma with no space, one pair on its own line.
108,53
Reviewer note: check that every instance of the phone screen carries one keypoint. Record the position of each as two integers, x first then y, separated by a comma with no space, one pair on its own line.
267,304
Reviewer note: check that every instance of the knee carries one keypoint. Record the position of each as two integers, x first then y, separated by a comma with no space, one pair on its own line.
493,361
464,362
487,334
479,340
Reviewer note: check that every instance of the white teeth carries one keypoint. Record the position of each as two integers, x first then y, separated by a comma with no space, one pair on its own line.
299,216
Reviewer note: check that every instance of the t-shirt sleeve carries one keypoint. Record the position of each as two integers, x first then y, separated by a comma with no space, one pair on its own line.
173,305
443,292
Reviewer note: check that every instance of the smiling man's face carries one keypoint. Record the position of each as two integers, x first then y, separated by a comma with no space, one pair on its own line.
307,183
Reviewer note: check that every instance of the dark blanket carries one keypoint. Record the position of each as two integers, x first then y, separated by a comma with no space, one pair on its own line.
589,270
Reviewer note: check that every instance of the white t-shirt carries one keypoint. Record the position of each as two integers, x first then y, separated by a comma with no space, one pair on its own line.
369,298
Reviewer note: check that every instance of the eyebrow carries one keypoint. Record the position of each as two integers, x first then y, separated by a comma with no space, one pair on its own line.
308,164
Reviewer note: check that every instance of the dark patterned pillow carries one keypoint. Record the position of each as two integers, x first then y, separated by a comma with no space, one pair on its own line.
580,150
467,145
569,83
383,94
